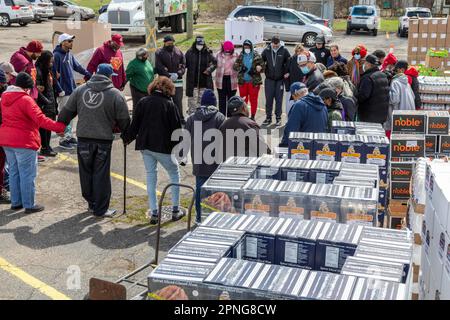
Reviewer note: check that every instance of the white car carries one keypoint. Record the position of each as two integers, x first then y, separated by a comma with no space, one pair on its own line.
403,25
42,9
15,11
365,18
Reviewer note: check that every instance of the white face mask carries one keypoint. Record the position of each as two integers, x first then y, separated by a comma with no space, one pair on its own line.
199,48
247,51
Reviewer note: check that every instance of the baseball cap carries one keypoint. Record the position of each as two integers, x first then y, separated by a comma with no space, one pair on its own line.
235,104
306,57
7,67
373,60
35,46
106,70
169,38
200,41
65,37
297,86
117,38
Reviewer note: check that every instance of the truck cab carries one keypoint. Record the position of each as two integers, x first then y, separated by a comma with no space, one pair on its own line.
127,17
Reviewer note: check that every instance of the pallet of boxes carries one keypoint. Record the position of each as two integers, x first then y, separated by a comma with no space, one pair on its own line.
429,43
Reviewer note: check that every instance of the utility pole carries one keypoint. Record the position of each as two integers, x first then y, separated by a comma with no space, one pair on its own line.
190,19
150,28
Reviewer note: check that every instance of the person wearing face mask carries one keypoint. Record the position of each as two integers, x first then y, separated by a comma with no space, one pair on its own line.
335,56
307,64
276,59
250,66
373,92
64,66
226,78
320,51
200,64
23,61
110,53
241,135
140,74
19,137
354,66
170,62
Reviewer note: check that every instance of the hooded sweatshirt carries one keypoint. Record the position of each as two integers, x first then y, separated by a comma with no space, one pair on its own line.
309,114
401,97
205,118
23,63
105,54
21,120
246,66
99,106
63,67
276,62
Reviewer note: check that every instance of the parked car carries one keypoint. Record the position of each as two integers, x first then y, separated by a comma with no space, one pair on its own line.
15,11
66,9
365,18
316,19
288,24
403,22
42,10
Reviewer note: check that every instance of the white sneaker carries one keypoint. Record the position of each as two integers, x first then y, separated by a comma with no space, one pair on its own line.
110,213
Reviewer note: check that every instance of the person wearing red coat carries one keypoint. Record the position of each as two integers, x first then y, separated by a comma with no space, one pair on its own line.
20,138
110,53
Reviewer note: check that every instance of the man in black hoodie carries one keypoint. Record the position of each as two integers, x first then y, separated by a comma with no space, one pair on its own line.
206,117
276,58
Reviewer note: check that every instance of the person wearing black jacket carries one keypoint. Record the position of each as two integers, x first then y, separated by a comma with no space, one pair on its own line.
295,75
373,93
156,118
320,51
276,58
171,63
46,98
200,64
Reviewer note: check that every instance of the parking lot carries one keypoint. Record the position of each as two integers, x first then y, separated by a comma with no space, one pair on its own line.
52,255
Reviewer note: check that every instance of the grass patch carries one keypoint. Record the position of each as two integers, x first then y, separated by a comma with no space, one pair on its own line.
387,25
93,4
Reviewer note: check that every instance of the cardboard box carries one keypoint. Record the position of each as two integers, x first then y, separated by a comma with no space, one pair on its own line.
413,122
326,147
296,170
431,144
442,25
444,145
377,269
293,199
441,198
400,190
413,25
352,149
445,286
301,146
424,278
438,122
407,146
412,59
260,198
441,40
370,289
328,286
434,62
88,34
401,171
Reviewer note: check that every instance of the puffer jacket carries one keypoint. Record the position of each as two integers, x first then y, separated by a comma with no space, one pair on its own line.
255,75
21,120
401,97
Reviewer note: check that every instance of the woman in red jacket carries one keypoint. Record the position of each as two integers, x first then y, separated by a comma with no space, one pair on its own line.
19,137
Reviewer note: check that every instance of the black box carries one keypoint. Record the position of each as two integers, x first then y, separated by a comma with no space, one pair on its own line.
444,145
401,171
328,286
324,172
400,190
408,121
301,145
343,127
431,144
352,149
296,170
323,206
407,146
326,147
260,197
268,168
438,122
223,195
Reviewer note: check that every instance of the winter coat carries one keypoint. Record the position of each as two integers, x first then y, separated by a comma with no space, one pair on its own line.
170,62
309,114
355,72
255,75
207,118
105,54
140,74
63,67
23,63
321,55
412,75
100,108
350,107
313,79
276,63
332,60
335,113
46,99
156,118
220,70
401,97
21,120
373,96
295,73
251,129
197,62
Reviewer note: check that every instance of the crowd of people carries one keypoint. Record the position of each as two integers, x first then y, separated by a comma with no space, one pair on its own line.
39,95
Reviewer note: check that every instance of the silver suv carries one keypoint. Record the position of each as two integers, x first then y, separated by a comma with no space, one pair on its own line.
288,24
363,18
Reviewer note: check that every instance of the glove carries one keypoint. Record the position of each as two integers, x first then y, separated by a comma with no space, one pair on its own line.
173,76
62,94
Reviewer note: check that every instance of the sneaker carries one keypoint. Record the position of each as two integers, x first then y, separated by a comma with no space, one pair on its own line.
48,153
41,158
267,122
110,213
73,141
197,223
278,123
4,198
15,208
178,215
154,220
35,209
65,144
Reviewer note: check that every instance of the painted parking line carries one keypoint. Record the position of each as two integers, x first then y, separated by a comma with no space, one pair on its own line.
37,284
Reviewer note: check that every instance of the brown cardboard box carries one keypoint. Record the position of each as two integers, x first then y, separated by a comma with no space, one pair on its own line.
442,26
423,24
432,33
413,50
434,62
412,59
414,25
88,34
421,59
441,40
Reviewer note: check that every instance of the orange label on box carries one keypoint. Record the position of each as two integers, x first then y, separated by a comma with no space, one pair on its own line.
359,217
323,215
260,207
288,209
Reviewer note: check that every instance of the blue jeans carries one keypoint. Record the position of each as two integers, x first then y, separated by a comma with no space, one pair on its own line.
151,160
199,182
22,175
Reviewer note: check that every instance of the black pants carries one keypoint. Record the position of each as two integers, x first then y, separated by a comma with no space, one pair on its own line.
94,160
46,135
136,95
225,94
178,100
274,90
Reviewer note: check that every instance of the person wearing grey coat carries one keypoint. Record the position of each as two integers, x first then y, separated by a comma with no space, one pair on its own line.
401,97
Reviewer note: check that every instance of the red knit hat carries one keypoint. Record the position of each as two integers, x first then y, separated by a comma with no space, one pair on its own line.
228,46
389,60
35,46
362,50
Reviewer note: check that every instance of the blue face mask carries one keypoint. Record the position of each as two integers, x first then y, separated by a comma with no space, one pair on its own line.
305,70
357,56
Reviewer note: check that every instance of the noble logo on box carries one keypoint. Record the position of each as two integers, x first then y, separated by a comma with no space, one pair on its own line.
401,171
431,145
444,145
407,146
438,122
400,190
407,122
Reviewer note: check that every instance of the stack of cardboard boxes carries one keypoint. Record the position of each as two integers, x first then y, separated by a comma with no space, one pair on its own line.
425,34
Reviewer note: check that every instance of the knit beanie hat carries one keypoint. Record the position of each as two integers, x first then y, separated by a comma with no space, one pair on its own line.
208,98
24,81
